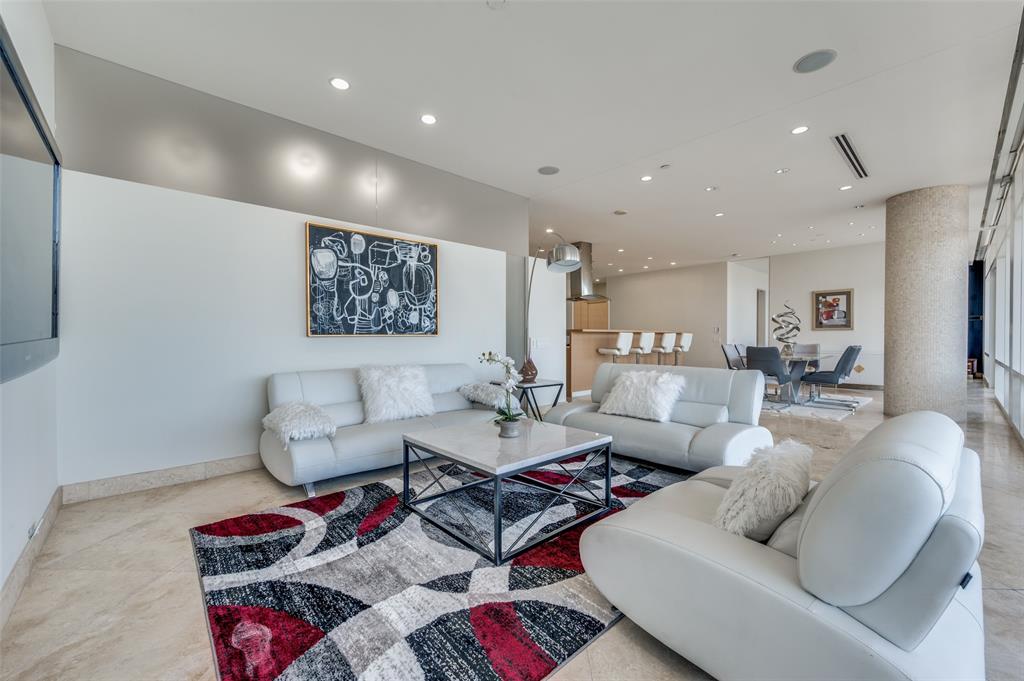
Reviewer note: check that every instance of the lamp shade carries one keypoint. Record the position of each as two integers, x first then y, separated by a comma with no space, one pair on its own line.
564,258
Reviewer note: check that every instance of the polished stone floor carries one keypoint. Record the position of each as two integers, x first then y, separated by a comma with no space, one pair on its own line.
114,595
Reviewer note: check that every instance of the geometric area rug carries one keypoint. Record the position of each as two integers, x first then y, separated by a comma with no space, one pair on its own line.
353,586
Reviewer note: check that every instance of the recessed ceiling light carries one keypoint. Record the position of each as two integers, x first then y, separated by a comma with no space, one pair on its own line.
774,242
610,264
671,263
871,226
814,61
596,280
781,171
859,205
665,166
620,212
811,227
549,230
861,234
650,257
710,188
799,130
846,187
734,255
540,250
794,243
851,223
622,250
779,235
620,269
718,215
339,83
646,178
828,241
548,170
645,267
428,119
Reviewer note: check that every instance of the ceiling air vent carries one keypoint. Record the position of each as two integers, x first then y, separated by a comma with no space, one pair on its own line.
849,154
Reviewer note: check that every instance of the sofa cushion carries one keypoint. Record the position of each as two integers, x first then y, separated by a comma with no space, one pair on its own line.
450,401
665,443
694,498
377,438
460,417
346,413
699,414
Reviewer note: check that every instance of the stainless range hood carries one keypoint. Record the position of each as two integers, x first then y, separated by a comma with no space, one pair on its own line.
581,282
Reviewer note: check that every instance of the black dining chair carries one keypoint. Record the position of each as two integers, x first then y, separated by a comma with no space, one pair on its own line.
836,377
733,359
768,360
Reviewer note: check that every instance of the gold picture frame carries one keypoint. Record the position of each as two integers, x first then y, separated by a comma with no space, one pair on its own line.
382,305
832,310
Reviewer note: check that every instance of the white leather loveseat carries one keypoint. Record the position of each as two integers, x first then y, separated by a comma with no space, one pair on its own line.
713,423
874,576
357,446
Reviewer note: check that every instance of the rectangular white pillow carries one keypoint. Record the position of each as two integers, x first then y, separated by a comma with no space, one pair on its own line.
649,395
393,393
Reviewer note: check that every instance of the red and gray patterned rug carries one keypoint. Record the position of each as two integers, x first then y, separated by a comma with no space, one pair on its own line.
353,586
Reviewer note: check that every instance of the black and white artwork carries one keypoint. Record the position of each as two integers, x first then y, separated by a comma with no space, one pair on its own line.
361,284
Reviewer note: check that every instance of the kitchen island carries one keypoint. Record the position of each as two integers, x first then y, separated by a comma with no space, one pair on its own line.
582,358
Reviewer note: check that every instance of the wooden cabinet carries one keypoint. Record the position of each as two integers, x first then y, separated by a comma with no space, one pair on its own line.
589,314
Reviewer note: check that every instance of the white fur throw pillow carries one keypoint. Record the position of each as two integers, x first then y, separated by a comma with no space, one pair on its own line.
299,421
392,393
767,491
488,394
644,395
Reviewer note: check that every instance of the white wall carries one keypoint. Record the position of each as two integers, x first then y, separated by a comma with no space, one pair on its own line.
744,280
177,306
26,22
28,405
28,457
687,299
862,268
547,328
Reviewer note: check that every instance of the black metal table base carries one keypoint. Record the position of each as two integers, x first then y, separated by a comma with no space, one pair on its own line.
494,550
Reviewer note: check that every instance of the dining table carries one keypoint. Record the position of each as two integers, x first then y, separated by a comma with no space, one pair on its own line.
798,363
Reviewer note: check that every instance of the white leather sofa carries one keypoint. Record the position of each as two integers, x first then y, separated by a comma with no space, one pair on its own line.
873,577
357,446
713,423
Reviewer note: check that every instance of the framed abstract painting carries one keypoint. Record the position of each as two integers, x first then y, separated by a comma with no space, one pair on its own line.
364,284
832,309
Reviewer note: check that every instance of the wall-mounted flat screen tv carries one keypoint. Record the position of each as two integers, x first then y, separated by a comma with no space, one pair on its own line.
29,224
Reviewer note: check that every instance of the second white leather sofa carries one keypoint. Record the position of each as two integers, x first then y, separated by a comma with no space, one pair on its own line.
713,423
357,446
873,577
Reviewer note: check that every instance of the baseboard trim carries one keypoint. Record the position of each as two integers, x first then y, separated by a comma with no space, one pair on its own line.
862,386
136,482
15,581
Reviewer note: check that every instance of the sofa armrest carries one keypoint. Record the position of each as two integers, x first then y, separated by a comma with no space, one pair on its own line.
727,444
558,413
730,605
304,460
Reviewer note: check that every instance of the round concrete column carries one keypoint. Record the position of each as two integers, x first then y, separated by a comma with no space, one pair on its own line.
926,257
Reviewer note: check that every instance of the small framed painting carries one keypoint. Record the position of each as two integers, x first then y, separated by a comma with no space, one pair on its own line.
833,309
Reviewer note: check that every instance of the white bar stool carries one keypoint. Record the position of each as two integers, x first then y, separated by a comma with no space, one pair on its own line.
685,341
667,346
646,345
622,343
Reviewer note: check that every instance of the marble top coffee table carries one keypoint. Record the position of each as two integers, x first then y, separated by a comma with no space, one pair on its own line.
498,466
